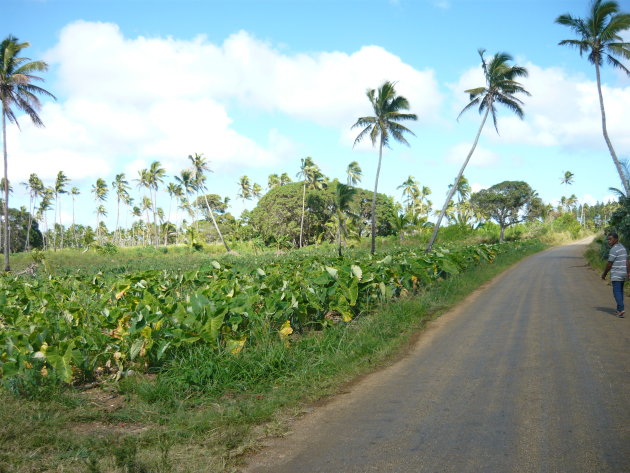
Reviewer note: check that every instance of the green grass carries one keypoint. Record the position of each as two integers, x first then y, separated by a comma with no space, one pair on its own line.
205,409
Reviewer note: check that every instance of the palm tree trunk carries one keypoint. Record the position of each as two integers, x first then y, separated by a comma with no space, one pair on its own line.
378,171
7,266
339,236
622,176
303,209
30,222
455,184
216,227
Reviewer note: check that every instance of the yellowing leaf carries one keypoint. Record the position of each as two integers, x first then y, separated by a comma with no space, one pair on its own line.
234,346
286,329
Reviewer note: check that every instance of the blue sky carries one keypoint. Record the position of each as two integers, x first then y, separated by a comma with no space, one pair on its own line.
257,85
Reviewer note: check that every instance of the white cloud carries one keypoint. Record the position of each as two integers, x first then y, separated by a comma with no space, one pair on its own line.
476,187
137,100
480,158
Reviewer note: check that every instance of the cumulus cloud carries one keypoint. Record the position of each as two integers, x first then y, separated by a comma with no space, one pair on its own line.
563,110
135,100
481,157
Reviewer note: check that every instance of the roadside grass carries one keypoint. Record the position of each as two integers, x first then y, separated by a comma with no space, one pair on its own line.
205,410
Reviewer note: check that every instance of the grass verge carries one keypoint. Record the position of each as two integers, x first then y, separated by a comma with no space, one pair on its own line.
207,409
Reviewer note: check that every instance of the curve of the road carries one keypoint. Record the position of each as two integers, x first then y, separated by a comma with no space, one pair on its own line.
529,374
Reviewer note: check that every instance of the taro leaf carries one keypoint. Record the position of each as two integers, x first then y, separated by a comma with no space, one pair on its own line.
386,260
448,266
332,271
135,348
198,303
216,265
356,271
235,345
162,346
261,272
61,362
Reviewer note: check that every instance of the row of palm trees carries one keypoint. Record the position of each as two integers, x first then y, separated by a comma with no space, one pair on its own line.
598,36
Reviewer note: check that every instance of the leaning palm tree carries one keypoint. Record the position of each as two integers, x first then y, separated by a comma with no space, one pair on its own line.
200,166
501,88
17,90
387,106
354,173
599,36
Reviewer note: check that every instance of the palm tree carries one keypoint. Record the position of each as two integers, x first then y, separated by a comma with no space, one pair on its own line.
121,187
354,173
567,179
245,188
60,188
256,191
599,36
17,90
501,88
200,166
343,198
384,124
74,192
155,176
410,193
100,192
313,179
273,181
35,187
284,179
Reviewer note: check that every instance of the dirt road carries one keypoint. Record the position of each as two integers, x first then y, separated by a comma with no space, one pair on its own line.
530,374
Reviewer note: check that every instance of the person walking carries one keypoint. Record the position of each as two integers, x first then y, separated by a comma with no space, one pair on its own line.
619,268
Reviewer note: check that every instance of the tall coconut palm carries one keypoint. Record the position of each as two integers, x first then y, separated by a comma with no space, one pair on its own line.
200,166
382,126
410,192
567,178
313,179
120,185
17,90
100,191
35,188
74,192
501,87
354,173
599,37
244,188
60,188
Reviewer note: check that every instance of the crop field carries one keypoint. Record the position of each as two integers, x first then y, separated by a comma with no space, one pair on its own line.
173,369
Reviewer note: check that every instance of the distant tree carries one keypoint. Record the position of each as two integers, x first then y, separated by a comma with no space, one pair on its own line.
285,179
343,198
100,192
35,188
60,188
17,90
567,178
120,185
501,87
599,35
312,179
508,203
383,125
273,181
244,188
200,166
354,173
74,192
